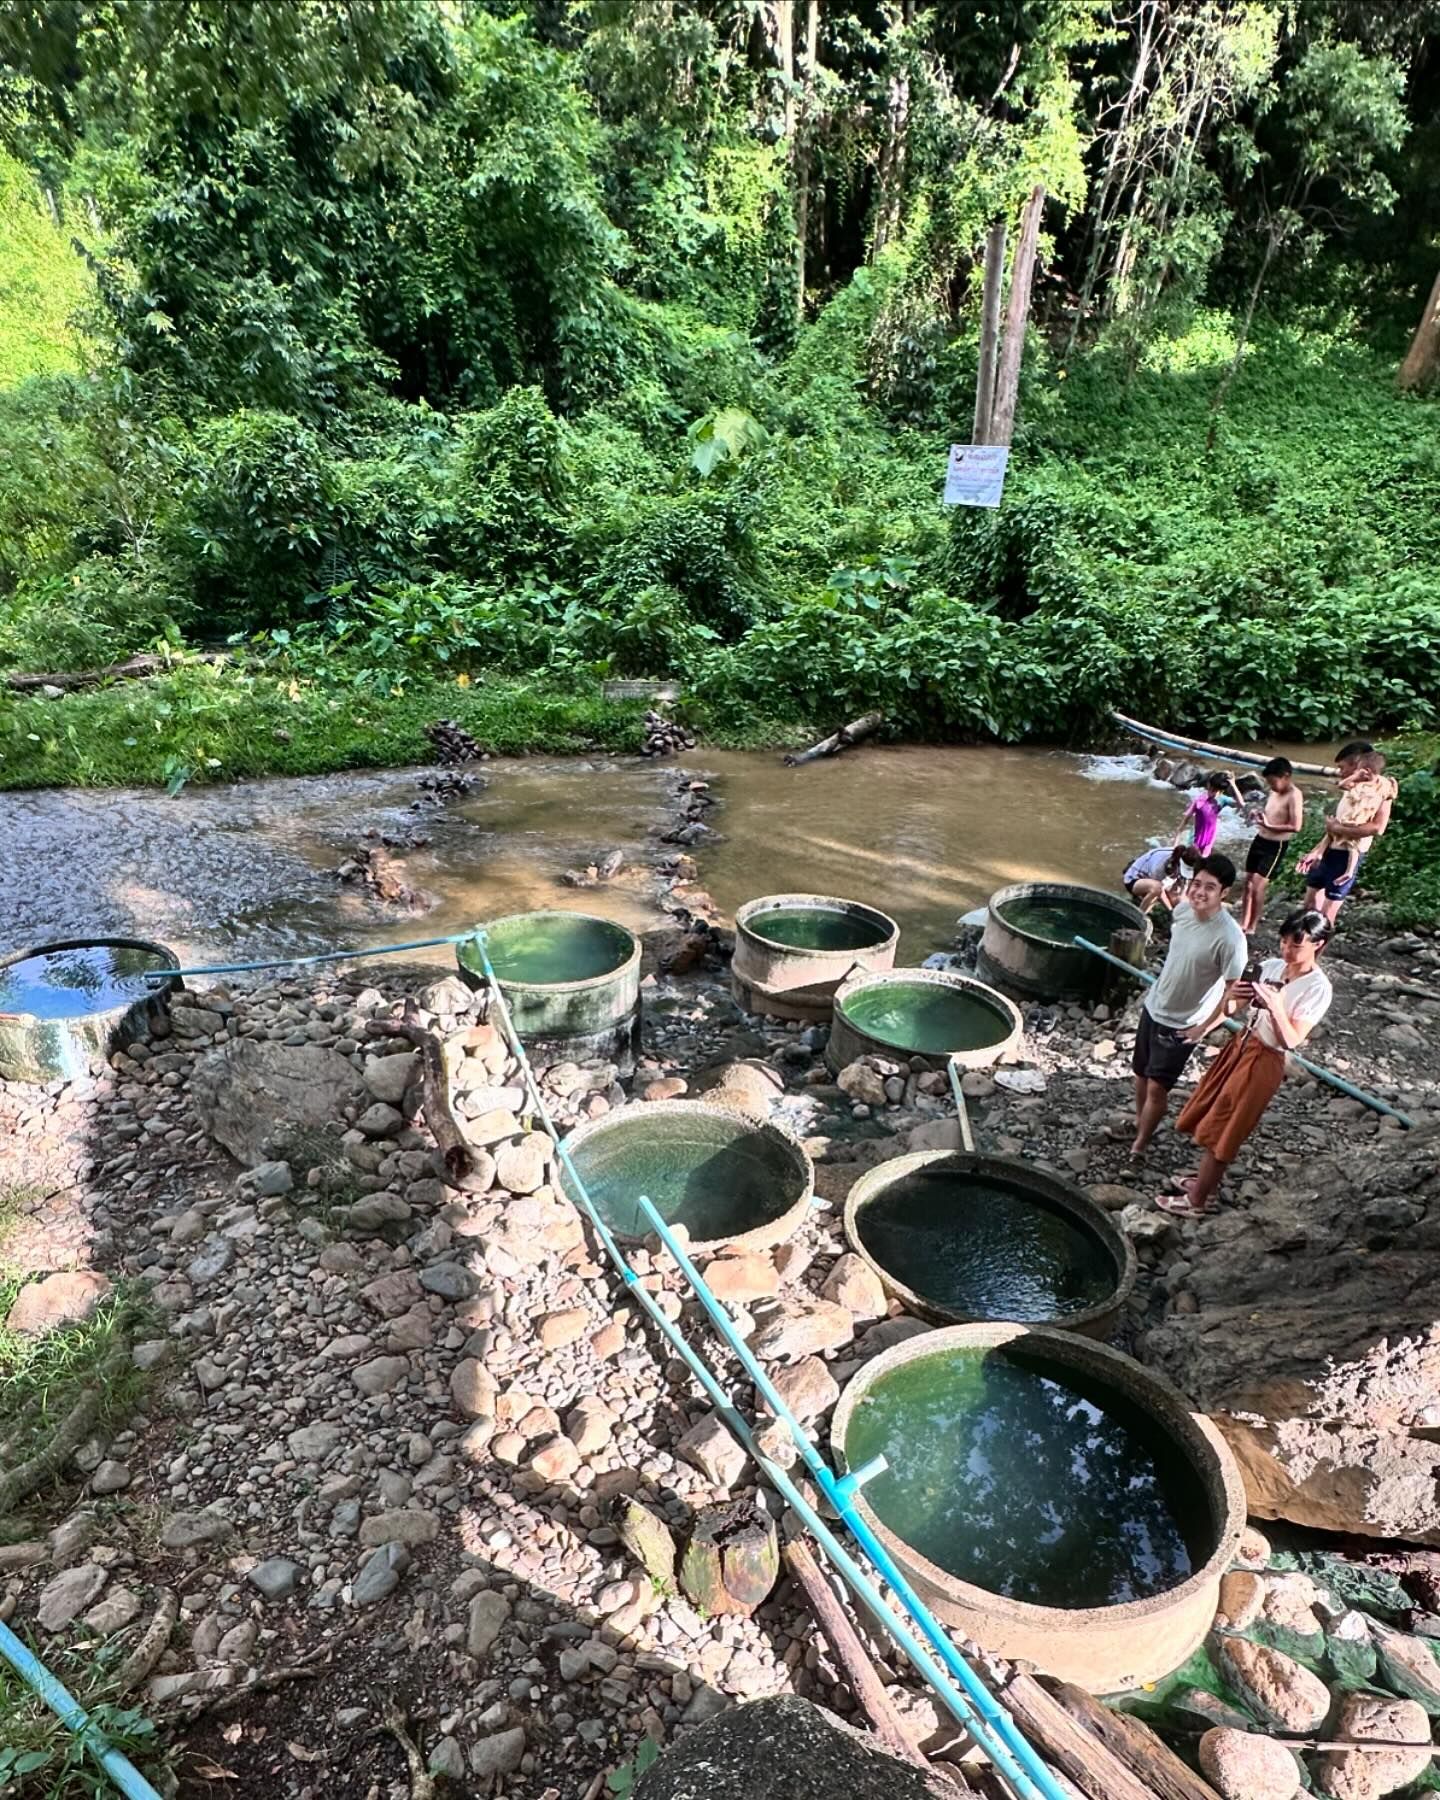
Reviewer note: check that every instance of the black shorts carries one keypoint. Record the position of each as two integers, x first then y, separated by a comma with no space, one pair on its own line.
1160,1052
1265,856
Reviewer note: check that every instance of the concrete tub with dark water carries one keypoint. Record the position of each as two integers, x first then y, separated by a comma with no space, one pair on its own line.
960,1238
1053,1499
792,951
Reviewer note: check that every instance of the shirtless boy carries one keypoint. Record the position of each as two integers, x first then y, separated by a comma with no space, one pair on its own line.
1282,817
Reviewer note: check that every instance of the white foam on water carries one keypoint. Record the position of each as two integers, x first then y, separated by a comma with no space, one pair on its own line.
1119,768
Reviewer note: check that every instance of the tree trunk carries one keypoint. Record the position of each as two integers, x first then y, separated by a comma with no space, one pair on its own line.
1017,311
733,1558
1421,366
989,332
1217,405
802,154
785,49
894,154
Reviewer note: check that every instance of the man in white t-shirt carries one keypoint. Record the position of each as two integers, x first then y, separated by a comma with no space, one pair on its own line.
1207,951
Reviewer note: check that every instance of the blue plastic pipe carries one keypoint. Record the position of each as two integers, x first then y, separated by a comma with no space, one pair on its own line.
69,1711
1373,1101
155,977
971,1703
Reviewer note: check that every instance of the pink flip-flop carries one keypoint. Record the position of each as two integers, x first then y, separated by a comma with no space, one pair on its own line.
1183,1207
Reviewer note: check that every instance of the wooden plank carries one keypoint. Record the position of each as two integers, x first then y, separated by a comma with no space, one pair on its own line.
1095,1770
1142,1751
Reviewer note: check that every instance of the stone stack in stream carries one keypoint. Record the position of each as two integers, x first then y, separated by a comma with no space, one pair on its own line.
452,743
663,737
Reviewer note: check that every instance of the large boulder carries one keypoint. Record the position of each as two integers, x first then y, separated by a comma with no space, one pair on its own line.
1315,1346
784,1749
252,1095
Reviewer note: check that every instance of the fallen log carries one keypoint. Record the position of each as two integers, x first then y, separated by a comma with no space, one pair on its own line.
1144,1753
1094,1769
67,680
434,1093
865,1684
837,741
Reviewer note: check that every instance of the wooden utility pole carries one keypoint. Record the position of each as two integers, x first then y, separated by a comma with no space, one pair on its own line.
1421,367
989,331
1017,312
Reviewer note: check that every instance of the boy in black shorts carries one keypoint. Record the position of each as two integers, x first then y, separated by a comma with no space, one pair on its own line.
1281,818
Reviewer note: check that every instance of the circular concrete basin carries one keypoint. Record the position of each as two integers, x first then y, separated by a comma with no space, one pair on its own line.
725,1178
959,1238
793,950
929,1013
1048,1496
1028,945
65,1006
571,981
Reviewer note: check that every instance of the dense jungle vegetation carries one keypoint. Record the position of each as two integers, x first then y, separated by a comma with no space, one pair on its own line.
447,357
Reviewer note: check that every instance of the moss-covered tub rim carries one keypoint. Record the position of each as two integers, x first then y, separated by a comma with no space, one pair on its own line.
762,1237
1026,1177
750,915
1106,1649
627,944
1007,1013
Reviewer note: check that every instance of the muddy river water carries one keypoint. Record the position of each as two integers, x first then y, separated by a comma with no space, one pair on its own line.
242,871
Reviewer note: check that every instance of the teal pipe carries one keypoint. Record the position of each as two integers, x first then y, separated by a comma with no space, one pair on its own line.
981,1714
154,978
841,1496
1373,1101
69,1711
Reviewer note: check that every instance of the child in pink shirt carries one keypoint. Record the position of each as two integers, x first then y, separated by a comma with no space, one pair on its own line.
1204,809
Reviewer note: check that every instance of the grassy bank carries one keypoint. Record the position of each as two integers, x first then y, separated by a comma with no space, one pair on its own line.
205,724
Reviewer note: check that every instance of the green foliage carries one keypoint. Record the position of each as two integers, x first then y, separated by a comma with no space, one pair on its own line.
42,282
508,492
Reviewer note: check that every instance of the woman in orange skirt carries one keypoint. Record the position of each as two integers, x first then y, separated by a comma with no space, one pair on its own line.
1284,1005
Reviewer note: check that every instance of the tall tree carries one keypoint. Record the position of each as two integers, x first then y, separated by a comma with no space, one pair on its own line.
1421,367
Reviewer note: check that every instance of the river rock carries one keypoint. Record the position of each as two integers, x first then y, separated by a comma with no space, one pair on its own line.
473,1389
1365,1774
1241,1765
781,1749
188,1530
862,1083
266,1180
743,1087
66,1596
276,1577
249,1090
485,1621
1408,1665
499,1754
1242,1594
741,1277
381,1374
380,1575
1284,1353
807,1387
405,1526
68,1298
856,1287
520,1167
805,1331
710,1447
387,1077
1278,1690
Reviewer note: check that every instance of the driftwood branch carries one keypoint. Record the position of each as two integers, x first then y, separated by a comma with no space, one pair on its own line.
67,1437
865,1684
1095,1770
839,740
1136,1745
150,1646
435,1093
68,680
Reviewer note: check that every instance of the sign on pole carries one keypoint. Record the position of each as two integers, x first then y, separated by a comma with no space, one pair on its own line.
976,474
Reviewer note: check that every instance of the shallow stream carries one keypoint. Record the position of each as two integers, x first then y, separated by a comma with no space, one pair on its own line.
924,833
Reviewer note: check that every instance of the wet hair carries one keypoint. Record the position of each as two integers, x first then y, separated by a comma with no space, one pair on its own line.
1373,762
1189,855
1361,747
1277,766
1214,781
1219,866
1309,926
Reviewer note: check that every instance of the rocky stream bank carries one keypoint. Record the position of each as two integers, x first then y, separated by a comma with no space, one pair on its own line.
393,1434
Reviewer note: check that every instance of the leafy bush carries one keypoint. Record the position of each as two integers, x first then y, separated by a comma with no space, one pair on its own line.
508,491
